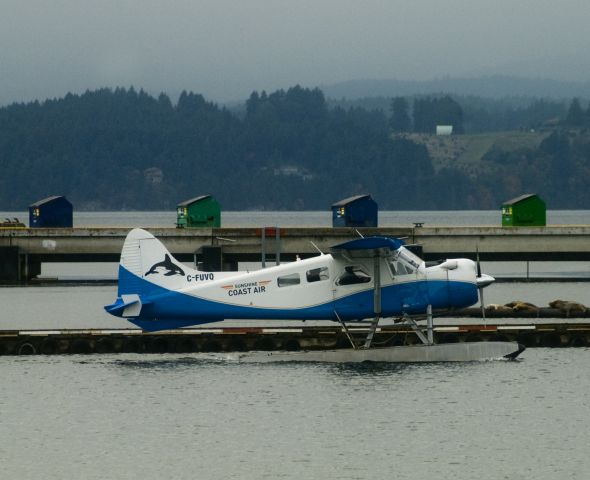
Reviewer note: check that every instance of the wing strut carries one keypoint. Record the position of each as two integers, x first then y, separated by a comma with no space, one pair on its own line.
429,325
345,330
376,300
427,339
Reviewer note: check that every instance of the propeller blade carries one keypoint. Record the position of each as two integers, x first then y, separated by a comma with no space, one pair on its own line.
482,305
482,282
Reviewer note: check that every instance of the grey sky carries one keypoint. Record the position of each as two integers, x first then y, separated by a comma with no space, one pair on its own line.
226,49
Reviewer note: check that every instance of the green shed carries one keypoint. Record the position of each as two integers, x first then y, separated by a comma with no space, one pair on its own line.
203,211
524,211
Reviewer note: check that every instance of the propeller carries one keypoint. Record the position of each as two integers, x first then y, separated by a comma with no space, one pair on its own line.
482,280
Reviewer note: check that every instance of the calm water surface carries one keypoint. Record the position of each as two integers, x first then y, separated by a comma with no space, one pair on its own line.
188,417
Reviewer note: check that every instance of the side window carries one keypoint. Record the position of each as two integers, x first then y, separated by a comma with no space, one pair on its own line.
318,274
352,275
289,280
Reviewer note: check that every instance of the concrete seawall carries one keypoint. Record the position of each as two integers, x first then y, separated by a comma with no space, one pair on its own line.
26,249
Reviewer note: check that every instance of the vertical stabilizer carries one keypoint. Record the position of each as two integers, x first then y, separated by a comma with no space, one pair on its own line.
145,262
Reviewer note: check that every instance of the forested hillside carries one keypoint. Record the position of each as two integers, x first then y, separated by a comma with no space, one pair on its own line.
123,149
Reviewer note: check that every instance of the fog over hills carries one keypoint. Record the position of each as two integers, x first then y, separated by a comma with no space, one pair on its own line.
493,86
225,49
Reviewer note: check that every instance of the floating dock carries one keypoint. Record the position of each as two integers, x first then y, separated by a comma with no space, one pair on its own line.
557,333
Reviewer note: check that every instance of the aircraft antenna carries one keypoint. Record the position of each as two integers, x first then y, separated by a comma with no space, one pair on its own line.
226,239
316,247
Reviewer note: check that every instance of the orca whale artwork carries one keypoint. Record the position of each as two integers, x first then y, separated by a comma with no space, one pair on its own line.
170,267
362,279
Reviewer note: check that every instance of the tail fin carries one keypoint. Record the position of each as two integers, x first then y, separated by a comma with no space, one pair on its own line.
146,267
145,262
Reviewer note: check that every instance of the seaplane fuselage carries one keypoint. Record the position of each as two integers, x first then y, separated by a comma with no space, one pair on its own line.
157,292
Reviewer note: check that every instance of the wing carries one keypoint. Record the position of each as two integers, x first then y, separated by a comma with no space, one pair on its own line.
367,247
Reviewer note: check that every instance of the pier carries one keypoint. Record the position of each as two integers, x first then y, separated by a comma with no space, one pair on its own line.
554,333
22,250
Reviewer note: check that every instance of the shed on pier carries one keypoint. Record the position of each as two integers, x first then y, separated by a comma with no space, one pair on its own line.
51,212
203,211
524,211
358,211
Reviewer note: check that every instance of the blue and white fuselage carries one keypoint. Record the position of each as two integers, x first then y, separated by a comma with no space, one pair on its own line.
157,292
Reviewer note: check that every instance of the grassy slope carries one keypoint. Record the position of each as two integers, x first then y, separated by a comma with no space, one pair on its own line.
466,151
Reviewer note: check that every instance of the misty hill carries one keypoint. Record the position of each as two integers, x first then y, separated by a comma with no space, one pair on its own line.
123,149
493,86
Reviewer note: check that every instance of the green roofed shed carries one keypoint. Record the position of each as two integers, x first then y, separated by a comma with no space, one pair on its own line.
524,211
203,211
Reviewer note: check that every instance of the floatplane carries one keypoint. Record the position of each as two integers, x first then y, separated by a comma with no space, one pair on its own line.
370,278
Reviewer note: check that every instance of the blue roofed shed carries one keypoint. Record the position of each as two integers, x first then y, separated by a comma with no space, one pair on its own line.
51,212
357,211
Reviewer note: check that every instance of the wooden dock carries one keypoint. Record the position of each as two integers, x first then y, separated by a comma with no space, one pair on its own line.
551,333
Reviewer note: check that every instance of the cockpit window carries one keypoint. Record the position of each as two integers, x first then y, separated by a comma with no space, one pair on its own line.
403,262
409,258
352,275
398,268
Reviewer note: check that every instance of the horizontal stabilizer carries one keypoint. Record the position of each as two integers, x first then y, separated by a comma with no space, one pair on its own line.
132,305
127,306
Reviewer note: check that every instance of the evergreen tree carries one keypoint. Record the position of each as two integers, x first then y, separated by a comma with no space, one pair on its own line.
430,112
575,115
400,117
122,148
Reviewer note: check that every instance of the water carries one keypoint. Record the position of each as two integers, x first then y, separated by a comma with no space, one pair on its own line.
187,417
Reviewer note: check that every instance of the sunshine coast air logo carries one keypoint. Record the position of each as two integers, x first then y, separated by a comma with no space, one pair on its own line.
246,288
167,264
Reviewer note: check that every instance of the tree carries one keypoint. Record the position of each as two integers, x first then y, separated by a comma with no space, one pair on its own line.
252,103
575,115
430,112
400,118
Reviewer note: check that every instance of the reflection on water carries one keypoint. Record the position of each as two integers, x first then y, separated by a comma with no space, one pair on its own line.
157,363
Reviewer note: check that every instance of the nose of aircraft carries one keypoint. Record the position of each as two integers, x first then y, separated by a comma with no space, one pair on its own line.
483,280
455,283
